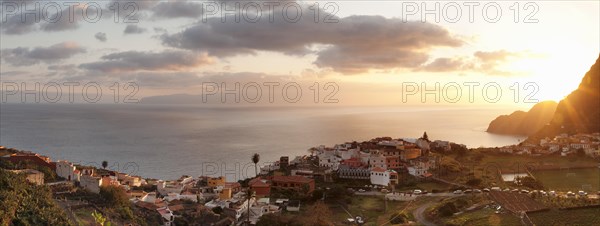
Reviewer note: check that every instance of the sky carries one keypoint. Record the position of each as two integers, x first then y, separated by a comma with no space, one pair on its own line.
343,52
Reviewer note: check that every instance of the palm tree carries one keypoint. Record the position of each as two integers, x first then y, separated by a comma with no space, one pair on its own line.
104,164
255,159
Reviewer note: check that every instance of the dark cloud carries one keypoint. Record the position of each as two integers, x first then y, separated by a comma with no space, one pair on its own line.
101,36
23,56
354,44
177,9
148,61
133,29
16,25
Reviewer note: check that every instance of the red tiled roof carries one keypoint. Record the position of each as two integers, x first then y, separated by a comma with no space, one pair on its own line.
258,182
378,169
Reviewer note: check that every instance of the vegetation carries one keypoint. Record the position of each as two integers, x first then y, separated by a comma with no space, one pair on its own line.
100,220
316,214
399,218
587,216
483,217
255,159
570,179
27,204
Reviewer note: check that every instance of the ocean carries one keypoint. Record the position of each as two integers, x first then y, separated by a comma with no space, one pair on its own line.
167,141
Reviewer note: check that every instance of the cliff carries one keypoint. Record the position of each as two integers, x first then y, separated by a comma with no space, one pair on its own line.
524,123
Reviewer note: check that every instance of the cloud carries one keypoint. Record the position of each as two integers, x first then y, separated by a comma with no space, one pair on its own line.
133,29
354,44
101,36
487,62
177,9
148,61
444,65
24,56
16,25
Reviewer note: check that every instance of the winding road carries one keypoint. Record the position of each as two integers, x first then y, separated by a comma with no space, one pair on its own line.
420,217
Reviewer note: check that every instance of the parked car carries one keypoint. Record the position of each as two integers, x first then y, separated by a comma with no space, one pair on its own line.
417,192
582,193
476,191
525,191
468,191
385,190
361,190
458,192
570,194
486,190
552,193
495,189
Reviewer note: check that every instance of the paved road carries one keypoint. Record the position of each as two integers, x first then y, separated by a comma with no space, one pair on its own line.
420,217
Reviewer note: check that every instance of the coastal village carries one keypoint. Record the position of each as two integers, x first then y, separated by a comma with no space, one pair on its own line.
378,167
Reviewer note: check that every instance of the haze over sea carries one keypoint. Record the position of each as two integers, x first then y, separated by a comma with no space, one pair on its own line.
167,141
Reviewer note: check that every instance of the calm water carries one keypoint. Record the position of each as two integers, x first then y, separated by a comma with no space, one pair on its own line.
161,141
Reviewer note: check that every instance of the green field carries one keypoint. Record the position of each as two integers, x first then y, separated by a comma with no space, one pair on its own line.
487,165
567,217
570,179
483,217
371,208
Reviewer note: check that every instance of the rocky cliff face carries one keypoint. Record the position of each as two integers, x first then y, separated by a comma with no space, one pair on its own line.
579,112
524,123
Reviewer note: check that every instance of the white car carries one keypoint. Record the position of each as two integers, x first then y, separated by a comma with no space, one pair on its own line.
361,190
417,192
552,193
458,192
582,193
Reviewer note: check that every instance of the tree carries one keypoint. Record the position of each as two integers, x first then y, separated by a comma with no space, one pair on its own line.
114,196
425,137
255,159
104,164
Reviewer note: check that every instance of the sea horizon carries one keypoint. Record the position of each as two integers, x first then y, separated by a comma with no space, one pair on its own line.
167,141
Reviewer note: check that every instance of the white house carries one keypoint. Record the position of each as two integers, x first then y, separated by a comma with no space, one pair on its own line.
417,171
175,196
378,161
67,170
167,215
380,176
329,160
165,188
90,183
347,153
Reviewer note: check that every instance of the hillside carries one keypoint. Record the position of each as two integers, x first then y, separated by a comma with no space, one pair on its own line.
524,123
579,112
